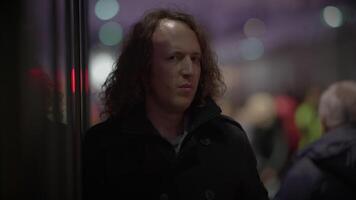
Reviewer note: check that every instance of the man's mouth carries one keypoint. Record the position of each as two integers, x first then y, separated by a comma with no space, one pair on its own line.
186,85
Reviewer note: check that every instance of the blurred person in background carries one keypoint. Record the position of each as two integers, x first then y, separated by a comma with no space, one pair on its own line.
286,106
307,119
165,137
259,116
326,169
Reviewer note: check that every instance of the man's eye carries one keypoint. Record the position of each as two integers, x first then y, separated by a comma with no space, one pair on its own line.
172,58
175,57
195,59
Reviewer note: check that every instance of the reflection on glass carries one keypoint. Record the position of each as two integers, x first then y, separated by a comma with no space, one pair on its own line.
106,9
254,27
110,33
251,49
332,16
45,135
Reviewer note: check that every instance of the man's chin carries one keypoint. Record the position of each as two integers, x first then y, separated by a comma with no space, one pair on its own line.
182,104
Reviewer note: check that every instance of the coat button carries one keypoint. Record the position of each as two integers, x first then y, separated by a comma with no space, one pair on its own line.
205,141
209,195
163,196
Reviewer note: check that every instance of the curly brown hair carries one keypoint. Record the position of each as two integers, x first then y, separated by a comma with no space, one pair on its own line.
125,86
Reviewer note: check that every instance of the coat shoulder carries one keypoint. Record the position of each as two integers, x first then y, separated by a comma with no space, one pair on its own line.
98,128
230,129
100,132
229,126
231,122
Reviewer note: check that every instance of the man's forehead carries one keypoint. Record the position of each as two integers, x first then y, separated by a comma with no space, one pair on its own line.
168,23
175,34
168,28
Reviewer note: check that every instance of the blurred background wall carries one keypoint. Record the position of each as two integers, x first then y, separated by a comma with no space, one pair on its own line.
276,57
276,46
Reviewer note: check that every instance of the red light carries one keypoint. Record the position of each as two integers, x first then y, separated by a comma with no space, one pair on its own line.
36,72
73,80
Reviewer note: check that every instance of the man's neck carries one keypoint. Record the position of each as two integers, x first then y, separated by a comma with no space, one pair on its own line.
169,124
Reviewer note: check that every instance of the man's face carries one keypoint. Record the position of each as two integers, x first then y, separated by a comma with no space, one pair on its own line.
175,69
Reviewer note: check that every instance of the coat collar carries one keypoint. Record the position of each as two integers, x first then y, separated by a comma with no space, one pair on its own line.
334,153
136,121
331,143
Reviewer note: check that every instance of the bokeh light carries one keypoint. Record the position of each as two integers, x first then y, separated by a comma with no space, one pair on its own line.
110,33
106,9
254,27
100,65
251,48
332,16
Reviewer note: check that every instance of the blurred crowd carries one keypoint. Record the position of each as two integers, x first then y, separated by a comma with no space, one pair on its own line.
278,126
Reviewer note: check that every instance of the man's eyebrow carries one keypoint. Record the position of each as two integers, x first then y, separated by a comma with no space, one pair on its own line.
178,51
196,53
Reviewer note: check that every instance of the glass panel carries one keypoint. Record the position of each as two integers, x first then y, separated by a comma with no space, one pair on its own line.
40,137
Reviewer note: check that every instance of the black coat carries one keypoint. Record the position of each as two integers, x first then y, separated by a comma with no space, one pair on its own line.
127,159
324,170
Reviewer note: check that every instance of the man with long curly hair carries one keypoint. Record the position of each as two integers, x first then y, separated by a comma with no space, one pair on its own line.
165,137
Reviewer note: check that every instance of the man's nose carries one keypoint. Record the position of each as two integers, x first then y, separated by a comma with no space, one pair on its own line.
187,66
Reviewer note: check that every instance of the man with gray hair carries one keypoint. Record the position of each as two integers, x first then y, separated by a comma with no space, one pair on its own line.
327,168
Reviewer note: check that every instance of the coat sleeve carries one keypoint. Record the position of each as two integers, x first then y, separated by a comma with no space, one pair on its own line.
252,187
